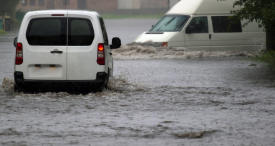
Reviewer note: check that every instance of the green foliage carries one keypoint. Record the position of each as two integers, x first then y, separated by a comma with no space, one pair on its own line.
261,11
267,57
7,5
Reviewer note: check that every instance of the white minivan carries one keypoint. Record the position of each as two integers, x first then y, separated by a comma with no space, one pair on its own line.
63,49
203,25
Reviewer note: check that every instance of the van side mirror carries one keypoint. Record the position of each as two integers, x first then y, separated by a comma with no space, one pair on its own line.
116,43
190,29
15,42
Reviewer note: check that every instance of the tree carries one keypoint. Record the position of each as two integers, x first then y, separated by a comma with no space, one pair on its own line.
7,6
261,11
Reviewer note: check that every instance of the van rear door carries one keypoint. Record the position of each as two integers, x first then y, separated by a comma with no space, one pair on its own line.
82,47
44,48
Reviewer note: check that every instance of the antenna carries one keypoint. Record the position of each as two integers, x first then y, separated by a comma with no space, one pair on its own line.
66,4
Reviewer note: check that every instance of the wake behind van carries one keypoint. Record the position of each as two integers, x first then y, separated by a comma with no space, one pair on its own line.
203,25
60,49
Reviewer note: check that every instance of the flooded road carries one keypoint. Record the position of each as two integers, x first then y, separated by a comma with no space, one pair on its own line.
190,98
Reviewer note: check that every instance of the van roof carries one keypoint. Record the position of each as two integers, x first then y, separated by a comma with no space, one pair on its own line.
196,7
63,11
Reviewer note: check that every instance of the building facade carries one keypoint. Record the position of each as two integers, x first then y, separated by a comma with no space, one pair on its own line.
31,5
96,5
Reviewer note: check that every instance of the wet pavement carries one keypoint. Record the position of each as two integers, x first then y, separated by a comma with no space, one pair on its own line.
189,98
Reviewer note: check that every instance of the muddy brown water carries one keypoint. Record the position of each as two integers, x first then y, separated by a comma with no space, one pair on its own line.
200,101
167,97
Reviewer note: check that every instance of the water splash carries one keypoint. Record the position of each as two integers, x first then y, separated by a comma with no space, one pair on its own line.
7,86
121,83
117,84
155,51
259,43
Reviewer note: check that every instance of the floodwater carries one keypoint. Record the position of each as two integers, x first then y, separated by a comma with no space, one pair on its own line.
157,97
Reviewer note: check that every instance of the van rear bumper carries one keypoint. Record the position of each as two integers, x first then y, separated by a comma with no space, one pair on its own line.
101,80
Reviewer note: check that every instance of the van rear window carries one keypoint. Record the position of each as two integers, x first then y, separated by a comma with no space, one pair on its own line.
81,32
47,32
53,32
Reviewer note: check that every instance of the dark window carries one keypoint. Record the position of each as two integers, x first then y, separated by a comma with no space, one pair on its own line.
81,32
104,32
24,2
81,4
223,24
47,32
32,2
41,2
66,2
199,24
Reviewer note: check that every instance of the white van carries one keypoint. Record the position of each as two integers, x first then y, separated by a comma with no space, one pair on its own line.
63,49
203,25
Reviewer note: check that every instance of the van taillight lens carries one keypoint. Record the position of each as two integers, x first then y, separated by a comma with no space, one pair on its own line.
100,54
19,54
57,14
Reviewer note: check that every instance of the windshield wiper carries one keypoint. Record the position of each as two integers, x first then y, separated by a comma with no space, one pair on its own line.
170,21
167,23
180,24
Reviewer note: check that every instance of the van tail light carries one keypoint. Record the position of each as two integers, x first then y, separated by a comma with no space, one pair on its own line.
100,54
58,15
19,54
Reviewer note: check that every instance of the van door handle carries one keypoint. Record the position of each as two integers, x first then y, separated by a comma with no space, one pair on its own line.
57,51
111,53
210,36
